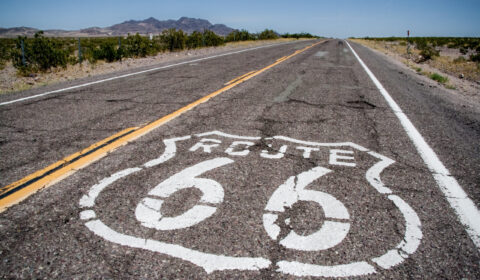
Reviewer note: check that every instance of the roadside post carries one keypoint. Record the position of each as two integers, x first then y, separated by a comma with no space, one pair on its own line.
408,41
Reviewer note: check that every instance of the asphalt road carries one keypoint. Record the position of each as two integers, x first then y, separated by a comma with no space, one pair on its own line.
300,170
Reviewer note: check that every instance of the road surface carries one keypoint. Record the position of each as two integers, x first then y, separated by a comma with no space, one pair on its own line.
302,160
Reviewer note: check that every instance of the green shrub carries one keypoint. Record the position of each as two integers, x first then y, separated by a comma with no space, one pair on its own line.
299,35
242,35
267,34
212,39
426,51
195,40
107,52
6,46
136,46
41,54
439,78
173,39
475,57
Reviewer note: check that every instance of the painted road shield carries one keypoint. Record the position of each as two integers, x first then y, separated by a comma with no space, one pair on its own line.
231,202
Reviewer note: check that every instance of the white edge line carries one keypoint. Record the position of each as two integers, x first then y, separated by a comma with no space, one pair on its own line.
464,207
139,72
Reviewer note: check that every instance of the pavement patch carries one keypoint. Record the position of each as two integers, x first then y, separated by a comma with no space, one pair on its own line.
321,53
283,96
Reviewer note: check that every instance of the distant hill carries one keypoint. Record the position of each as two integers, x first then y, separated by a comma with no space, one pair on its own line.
148,26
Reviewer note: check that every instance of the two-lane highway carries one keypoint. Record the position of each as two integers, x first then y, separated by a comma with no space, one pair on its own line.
280,162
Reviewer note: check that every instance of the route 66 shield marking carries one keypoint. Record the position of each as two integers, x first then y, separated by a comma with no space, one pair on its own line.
221,151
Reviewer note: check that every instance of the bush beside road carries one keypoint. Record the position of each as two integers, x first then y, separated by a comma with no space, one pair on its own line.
452,62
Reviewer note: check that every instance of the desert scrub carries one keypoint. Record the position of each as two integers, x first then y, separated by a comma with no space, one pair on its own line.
41,54
439,78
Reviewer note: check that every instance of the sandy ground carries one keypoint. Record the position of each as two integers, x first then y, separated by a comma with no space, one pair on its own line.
469,86
10,81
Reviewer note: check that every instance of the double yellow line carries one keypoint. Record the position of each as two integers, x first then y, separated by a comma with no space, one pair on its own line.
18,191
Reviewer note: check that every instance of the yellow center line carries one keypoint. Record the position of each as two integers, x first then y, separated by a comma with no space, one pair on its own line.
55,172
239,77
45,179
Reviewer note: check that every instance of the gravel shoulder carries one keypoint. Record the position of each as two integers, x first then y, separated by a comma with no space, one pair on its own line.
468,88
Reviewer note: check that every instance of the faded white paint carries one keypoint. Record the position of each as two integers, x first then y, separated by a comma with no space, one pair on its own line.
292,191
280,153
307,151
170,150
87,215
336,155
148,211
332,232
233,148
341,270
209,262
89,200
206,145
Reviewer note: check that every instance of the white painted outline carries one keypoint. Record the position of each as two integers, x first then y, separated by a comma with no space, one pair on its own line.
467,213
137,73
211,262
149,213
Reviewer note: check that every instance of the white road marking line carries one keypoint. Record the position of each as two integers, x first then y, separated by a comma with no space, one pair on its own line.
467,212
137,73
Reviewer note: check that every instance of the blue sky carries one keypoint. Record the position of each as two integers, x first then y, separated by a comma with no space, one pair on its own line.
332,18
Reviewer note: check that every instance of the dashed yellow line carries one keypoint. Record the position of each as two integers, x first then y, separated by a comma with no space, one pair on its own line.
61,169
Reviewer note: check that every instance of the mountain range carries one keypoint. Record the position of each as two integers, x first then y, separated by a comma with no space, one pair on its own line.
148,26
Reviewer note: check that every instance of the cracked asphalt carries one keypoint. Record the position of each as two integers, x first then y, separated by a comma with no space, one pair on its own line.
320,101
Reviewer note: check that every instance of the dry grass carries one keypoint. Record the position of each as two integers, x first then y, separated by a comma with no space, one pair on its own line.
446,64
389,47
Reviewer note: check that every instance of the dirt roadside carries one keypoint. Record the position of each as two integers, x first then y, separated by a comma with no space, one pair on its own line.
468,86
10,81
